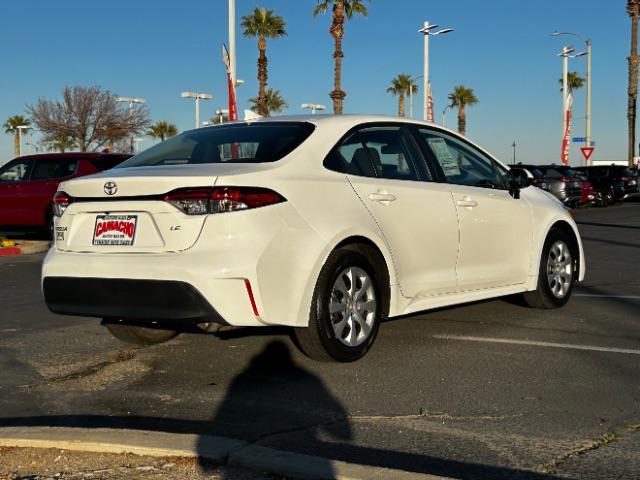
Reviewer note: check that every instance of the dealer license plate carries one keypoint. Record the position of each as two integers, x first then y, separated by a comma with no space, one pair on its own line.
115,230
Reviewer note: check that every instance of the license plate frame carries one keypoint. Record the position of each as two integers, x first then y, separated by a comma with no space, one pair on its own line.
115,230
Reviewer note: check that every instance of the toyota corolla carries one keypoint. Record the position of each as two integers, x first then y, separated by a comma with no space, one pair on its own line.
328,225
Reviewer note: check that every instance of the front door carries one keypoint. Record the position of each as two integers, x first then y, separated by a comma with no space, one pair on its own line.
495,229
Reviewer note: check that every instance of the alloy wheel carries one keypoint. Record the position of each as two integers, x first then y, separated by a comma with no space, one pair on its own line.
352,306
559,269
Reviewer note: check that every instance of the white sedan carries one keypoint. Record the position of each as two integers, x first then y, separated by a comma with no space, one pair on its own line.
328,224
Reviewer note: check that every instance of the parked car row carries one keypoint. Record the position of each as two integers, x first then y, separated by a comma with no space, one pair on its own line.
599,186
28,183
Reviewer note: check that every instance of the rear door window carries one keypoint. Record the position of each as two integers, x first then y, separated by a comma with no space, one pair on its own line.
259,142
50,169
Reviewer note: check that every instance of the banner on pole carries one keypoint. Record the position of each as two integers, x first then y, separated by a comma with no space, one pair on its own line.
566,139
233,105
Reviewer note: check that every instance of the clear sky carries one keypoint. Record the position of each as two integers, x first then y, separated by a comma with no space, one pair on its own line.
501,48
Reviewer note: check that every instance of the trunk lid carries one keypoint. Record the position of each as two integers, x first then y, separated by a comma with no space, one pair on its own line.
123,211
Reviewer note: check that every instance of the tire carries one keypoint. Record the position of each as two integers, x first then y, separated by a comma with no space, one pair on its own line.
557,273
342,336
138,335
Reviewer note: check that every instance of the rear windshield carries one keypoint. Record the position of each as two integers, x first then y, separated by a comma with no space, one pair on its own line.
232,143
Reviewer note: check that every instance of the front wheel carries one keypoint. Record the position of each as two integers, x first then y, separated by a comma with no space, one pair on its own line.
138,335
345,310
556,275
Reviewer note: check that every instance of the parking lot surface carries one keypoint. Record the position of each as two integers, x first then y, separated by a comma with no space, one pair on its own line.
488,390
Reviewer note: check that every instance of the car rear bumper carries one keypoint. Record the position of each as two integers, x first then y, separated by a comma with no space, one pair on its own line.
128,298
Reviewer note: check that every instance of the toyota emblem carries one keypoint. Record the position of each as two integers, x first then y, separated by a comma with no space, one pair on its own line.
110,188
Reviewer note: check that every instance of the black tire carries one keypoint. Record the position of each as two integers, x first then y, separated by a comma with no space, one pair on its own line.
138,335
543,296
319,340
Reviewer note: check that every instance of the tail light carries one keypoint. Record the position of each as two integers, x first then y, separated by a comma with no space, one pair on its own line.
60,203
623,179
202,201
566,179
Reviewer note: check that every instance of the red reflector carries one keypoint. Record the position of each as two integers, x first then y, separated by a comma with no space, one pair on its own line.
247,284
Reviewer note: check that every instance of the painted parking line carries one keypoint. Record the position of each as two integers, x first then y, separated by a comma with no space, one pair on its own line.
597,295
531,343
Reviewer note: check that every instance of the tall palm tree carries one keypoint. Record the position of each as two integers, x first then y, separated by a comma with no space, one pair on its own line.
162,130
633,10
274,102
402,85
341,9
574,82
62,144
10,126
263,23
460,98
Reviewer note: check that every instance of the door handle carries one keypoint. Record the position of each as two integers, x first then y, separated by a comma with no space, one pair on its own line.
467,203
382,196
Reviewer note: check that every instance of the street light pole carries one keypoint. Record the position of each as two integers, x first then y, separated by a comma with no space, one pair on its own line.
20,128
444,111
425,79
426,31
198,97
131,101
232,39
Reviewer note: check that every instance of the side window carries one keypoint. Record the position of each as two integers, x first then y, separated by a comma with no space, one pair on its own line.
54,168
392,152
460,163
350,156
15,171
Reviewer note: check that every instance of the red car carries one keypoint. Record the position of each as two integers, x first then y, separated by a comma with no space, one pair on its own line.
27,185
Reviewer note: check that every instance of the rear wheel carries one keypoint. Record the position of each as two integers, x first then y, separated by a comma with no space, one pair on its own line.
345,310
138,335
556,275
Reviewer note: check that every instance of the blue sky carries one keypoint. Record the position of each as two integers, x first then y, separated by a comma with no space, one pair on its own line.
500,48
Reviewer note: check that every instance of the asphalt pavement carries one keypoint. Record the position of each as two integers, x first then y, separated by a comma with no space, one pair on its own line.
487,390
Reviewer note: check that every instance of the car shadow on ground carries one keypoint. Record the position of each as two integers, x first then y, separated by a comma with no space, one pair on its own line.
273,381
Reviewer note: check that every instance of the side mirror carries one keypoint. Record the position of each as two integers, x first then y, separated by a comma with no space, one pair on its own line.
519,178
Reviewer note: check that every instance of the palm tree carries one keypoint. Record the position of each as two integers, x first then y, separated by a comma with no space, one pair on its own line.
402,85
633,10
274,103
11,126
341,9
574,82
460,98
162,130
262,23
62,144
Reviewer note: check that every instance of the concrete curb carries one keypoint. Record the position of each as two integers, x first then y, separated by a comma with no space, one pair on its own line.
26,247
218,449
